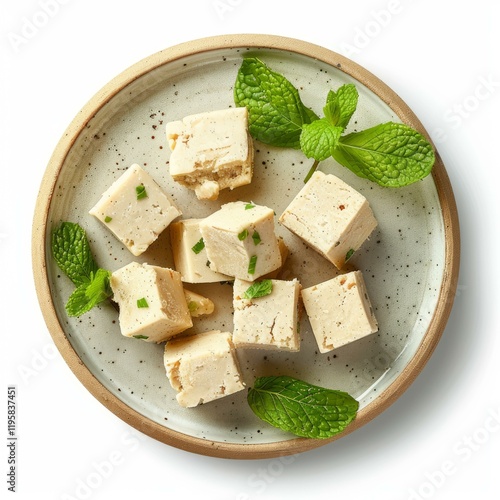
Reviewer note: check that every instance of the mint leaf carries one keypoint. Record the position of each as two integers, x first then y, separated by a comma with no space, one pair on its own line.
301,408
72,253
319,139
89,294
276,113
390,154
340,105
199,246
259,289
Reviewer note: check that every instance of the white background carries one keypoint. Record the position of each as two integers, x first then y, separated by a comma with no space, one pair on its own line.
442,437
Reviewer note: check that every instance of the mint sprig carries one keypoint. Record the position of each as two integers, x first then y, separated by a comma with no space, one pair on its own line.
301,408
71,251
276,112
390,154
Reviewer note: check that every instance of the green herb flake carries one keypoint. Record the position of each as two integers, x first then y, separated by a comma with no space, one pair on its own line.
108,219
252,264
200,245
259,289
140,192
349,254
192,306
142,303
249,206
301,408
256,238
243,234
141,337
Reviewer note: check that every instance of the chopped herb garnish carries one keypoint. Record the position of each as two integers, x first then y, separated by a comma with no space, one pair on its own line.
243,234
199,246
249,206
259,289
140,191
349,254
256,238
252,264
108,219
142,303
192,306
141,337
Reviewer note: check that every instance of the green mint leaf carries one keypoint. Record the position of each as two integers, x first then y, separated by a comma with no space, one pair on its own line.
319,139
390,154
142,303
141,337
199,246
259,289
249,206
108,219
349,254
340,105
276,113
71,251
88,295
252,264
301,408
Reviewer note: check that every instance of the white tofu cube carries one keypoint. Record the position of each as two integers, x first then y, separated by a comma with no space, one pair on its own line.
339,311
240,240
331,217
135,209
211,151
202,367
190,255
152,303
268,322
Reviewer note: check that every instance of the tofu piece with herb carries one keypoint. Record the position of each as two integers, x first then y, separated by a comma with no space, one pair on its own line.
202,367
339,311
330,216
152,302
240,240
198,305
190,255
135,209
266,314
211,151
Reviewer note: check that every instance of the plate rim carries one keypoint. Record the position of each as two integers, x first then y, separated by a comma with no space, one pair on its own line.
39,248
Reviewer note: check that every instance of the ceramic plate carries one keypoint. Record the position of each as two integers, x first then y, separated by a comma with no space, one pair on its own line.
410,263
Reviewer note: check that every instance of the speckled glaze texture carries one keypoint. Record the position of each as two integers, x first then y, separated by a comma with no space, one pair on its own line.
406,262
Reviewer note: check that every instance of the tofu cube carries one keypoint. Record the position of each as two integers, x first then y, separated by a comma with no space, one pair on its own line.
240,240
339,311
190,255
135,209
330,216
202,367
152,303
211,151
268,322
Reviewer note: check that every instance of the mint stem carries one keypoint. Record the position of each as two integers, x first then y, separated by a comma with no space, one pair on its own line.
312,170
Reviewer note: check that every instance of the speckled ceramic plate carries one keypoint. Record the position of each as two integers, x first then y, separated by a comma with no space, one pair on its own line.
410,263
